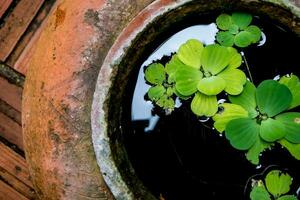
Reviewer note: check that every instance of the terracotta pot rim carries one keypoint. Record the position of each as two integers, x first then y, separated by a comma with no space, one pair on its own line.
103,95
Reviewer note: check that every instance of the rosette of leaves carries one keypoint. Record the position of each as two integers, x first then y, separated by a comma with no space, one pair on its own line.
161,91
236,30
276,185
206,72
260,116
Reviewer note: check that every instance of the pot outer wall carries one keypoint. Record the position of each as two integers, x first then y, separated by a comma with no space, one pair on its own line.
59,90
58,94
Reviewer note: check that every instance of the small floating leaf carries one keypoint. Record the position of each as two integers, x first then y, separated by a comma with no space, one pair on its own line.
224,21
235,58
272,130
180,95
229,112
246,99
278,183
254,152
259,193
190,53
294,149
170,91
166,102
242,133
156,92
293,84
203,105
187,79
172,66
291,122
225,38
243,39
233,29
242,20
235,79
215,58
255,31
155,73
212,85
288,197
272,97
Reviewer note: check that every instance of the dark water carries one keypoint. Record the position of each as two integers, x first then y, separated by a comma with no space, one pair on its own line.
179,157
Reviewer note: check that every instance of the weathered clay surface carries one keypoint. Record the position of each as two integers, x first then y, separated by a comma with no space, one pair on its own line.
61,82
58,95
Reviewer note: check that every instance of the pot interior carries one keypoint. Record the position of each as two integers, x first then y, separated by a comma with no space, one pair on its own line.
178,155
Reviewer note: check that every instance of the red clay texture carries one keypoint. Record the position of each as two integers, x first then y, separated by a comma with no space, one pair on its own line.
58,96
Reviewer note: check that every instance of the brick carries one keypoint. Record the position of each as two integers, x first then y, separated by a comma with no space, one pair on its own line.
14,164
11,94
8,193
4,4
11,131
10,112
26,46
16,184
16,24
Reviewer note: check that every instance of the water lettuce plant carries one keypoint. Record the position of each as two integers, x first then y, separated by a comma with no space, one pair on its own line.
161,90
255,118
206,72
275,186
260,116
236,30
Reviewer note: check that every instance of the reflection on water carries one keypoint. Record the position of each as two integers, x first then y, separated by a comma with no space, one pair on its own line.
142,110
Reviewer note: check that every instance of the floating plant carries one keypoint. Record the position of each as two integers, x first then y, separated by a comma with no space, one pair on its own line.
258,117
276,185
254,118
162,89
203,71
236,30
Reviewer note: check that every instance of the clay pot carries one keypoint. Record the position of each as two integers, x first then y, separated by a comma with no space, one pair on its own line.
71,110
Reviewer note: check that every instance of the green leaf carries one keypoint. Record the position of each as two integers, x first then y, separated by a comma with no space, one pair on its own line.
187,79
235,79
233,29
225,38
166,102
212,85
293,84
155,73
294,149
172,66
254,152
224,21
190,53
246,99
170,91
242,20
291,122
278,183
259,193
272,130
288,197
229,112
272,97
255,31
154,93
180,95
243,39
203,105
242,133
235,58
215,58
